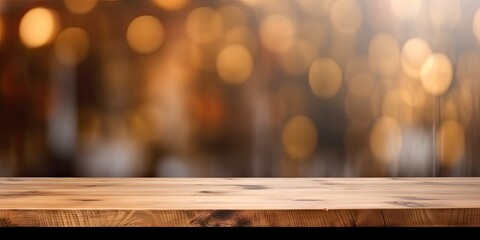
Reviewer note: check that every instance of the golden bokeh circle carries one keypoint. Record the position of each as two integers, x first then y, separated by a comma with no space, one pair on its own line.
234,64
414,53
145,34
171,5
436,74
80,6
277,32
299,137
325,78
38,27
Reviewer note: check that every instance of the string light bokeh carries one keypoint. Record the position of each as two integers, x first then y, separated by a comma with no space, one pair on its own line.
266,88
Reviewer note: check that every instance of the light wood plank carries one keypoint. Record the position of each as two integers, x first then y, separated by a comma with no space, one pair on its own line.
239,202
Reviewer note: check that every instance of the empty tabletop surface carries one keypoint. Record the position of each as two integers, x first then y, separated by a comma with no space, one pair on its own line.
238,193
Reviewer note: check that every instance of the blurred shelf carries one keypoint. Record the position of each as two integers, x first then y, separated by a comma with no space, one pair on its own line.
239,201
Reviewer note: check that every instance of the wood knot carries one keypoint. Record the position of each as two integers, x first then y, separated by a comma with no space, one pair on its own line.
220,218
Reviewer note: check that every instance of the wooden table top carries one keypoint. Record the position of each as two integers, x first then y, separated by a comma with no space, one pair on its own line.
258,201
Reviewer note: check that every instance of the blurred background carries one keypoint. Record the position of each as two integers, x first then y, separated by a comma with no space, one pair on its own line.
239,88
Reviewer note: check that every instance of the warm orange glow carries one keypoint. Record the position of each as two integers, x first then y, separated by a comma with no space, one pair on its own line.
234,64
325,78
299,137
277,33
414,53
38,27
80,6
436,74
145,34
171,5
71,46
451,143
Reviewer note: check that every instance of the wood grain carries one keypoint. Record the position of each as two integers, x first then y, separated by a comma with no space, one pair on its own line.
239,201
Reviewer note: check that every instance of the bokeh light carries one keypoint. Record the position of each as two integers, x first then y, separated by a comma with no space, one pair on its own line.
414,53
451,143
171,5
325,78
277,33
216,88
80,6
436,74
234,64
38,27
71,46
145,34
299,137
